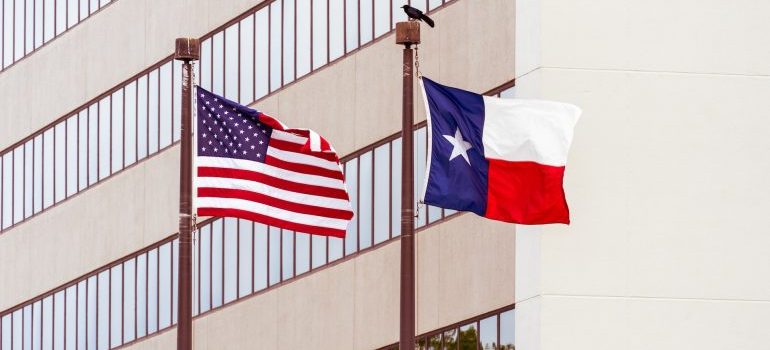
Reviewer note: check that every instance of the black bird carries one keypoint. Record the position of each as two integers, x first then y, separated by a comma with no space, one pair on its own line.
416,14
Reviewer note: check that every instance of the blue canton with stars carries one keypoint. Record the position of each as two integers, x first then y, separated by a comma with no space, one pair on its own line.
227,129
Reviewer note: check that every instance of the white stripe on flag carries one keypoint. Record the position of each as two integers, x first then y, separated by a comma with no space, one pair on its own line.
288,137
281,214
302,158
288,175
274,192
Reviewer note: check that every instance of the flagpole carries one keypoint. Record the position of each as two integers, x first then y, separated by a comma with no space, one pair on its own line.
407,34
187,51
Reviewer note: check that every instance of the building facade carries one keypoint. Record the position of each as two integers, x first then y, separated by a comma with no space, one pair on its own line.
665,182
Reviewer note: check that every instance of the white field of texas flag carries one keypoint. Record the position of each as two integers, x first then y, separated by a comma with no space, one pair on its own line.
503,159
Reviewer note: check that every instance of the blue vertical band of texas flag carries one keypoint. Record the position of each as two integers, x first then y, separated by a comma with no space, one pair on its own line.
503,159
449,184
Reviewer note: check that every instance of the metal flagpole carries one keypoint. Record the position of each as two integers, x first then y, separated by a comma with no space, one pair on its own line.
187,50
407,34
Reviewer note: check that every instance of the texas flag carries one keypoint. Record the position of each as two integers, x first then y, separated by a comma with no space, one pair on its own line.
502,159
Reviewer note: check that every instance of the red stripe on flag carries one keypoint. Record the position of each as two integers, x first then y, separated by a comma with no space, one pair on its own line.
269,220
272,181
297,148
275,202
526,193
303,168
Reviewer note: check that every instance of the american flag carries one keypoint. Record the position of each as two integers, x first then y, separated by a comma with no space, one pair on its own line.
251,166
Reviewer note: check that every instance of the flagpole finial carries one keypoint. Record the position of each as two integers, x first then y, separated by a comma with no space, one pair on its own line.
408,33
187,49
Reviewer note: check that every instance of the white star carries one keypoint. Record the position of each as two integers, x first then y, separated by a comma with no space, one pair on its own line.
259,155
244,152
260,142
252,146
459,146
216,149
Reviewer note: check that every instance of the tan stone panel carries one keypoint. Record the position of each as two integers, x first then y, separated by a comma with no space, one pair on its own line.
247,324
377,276
163,341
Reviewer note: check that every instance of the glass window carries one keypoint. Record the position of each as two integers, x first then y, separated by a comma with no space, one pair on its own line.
274,255
245,246
82,315
7,34
37,190
382,17
130,117
18,184
72,12
27,328
129,300
507,330
17,323
230,259
104,137
351,181
433,4
260,256
174,279
450,339
82,150
61,16
117,131
434,342
488,333
287,254
336,248
302,249
468,337
103,310
351,24
18,28
205,64
303,37
38,40
246,51
336,29
217,64
177,103
72,155
395,191
152,291
37,326
142,289
289,42
153,113
48,20
91,297
47,320
60,169
93,143
230,61
164,286
320,49
205,268
366,16
365,202
261,55
318,250
142,124
217,263
48,167
30,25
382,205
70,317
166,98
276,80
116,306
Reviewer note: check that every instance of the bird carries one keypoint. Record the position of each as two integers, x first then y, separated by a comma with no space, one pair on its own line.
416,14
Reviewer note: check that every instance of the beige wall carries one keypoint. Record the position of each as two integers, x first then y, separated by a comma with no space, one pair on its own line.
667,179
102,51
368,83
355,304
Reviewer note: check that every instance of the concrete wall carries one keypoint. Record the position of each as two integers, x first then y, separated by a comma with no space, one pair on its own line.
667,179
97,54
355,304
368,82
